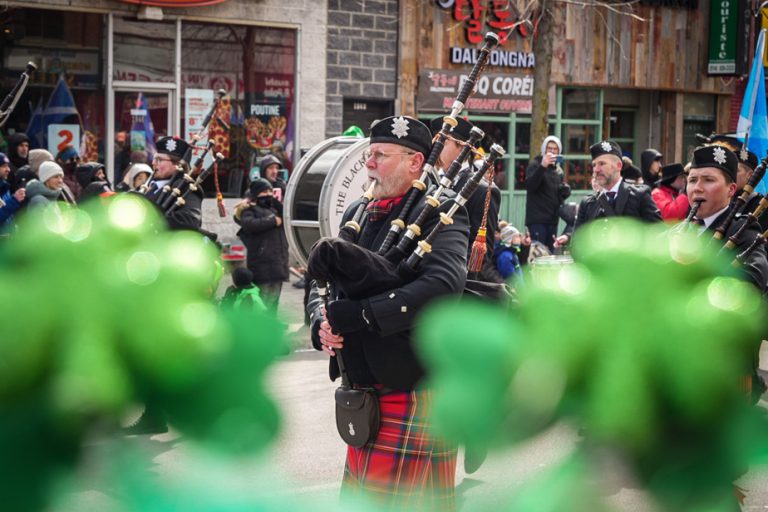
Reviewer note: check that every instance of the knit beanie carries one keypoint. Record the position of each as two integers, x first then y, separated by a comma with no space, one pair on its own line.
258,186
37,157
4,160
507,233
48,170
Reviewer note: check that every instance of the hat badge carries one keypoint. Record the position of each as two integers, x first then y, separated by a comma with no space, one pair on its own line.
170,145
606,145
400,127
743,154
719,155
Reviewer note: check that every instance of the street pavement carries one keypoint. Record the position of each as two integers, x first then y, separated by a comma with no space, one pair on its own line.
306,462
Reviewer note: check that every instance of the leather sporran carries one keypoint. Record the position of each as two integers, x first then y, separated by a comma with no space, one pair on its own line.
357,415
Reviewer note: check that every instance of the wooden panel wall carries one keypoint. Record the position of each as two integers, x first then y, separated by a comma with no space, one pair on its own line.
666,50
593,46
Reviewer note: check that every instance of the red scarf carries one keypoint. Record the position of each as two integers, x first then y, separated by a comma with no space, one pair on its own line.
381,208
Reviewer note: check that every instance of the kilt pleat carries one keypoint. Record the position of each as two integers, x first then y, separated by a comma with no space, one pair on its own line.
406,466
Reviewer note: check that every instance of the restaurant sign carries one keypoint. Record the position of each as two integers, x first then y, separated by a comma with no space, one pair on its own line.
723,20
494,92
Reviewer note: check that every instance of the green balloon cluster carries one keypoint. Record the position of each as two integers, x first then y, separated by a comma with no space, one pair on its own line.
105,310
644,343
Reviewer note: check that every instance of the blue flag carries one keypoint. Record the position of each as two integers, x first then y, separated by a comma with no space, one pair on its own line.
35,127
753,119
142,130
60,108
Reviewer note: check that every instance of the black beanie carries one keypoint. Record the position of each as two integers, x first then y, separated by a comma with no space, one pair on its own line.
258,186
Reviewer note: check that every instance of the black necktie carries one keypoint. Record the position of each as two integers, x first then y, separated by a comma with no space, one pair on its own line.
611,195
699,222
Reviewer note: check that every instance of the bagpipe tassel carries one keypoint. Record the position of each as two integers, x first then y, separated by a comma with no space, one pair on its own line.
479,249
219,196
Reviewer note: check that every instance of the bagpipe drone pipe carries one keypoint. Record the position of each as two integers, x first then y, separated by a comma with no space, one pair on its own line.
9,103
359,272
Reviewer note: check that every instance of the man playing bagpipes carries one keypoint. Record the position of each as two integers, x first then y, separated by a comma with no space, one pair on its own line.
404,465
482,207
168,160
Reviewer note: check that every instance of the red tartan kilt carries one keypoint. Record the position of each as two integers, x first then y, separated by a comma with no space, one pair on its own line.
406,465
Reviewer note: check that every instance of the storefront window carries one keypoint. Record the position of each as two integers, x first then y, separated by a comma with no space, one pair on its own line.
577,138
144,50
580,104
257,115
65,95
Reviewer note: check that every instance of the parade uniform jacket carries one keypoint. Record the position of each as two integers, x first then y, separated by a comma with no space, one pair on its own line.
384,353
756,266
631,201
475,206
187,216
672,205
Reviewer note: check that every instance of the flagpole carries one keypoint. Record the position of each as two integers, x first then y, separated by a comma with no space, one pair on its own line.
759,51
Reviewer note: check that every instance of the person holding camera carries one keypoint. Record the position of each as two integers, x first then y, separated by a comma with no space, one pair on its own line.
260,217
546,191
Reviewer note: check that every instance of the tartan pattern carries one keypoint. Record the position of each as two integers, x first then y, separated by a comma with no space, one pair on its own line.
381,208
405,466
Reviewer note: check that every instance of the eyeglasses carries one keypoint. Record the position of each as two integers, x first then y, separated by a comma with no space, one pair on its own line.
379,156
162,159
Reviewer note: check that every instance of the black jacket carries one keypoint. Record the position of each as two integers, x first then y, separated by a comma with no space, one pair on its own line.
266,243
545,192
189,215
475,210
385,354
755,268
631,201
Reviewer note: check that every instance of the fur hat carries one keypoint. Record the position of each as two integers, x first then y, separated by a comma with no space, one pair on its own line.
48,170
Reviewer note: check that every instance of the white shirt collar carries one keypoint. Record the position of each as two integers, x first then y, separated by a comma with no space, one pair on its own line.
709,220
615,188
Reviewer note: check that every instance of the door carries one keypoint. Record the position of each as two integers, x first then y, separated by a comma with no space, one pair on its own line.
140,117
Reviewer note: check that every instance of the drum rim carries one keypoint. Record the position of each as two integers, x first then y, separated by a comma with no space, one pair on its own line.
304,164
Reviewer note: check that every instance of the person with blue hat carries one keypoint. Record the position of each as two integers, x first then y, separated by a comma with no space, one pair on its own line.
10,203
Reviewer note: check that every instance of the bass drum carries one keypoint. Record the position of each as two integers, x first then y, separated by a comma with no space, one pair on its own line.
330,177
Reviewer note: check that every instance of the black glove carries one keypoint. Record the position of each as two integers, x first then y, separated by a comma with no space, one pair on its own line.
564,191
346,315
315,333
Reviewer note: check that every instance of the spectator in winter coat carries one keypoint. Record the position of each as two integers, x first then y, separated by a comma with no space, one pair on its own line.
243,295
92,180
650,166
18,154
510,254
9,203
134,178
47,190
669,195
68,158
270,168
261,229
546,191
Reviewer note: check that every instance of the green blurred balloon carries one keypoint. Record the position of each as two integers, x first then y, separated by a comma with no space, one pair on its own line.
644,342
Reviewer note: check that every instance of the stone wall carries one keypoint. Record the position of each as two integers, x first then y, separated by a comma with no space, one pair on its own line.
362,55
